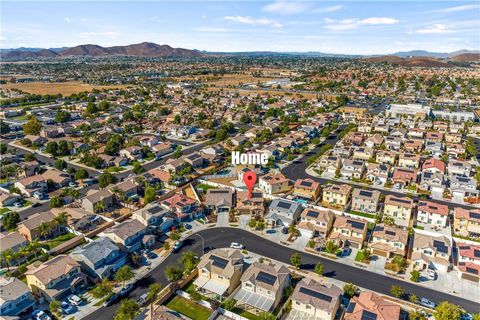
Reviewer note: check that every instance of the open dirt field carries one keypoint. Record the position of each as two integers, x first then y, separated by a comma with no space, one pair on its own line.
64,88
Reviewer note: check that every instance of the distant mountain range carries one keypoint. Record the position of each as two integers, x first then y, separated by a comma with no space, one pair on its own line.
149,49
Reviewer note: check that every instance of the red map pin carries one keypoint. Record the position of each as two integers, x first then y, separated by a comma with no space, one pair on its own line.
249,178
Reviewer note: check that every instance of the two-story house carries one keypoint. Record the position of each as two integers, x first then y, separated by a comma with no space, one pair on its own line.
348,232
466,222
306,188
31,228
433,214
182,207
352,169
127,234
220,200
468,261
283,212
365,200
16,299
156,218
399,208
430,252
387,241
337,195
314,223
274,183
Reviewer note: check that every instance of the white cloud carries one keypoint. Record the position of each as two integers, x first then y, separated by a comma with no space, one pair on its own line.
435,29
348,24
84,19
157,19
328,9
108,34
253,22
210,29
285,7
67,19
459,8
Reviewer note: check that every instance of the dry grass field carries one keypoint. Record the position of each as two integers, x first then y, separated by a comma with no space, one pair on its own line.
64,88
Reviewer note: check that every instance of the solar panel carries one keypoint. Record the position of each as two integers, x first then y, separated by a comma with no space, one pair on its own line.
476,253
392,233
440,246
155,209
306,183
315,294
218,262
313,214
356,225
378,228
351,307
471,270
401,200
284,205
219,191
266,278
464,247
474,215
365,193
367,315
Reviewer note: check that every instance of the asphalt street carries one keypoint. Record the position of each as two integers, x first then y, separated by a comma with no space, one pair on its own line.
222,237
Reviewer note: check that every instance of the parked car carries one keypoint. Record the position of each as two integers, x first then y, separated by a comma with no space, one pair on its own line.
151,255
40,315
177,245
125,290
285,230
111,300
142,299
187,226
427,303
66,308
208,249
72,184
36,204
74,300
236,245
431,274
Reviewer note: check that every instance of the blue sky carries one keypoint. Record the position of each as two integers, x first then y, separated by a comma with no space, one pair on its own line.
353,27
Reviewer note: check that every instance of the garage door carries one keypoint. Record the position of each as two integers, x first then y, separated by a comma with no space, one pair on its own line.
354,244
471,277
380,253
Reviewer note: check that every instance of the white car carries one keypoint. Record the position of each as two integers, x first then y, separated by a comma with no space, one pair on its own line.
74,300
427,303
236,245
40,315
431,274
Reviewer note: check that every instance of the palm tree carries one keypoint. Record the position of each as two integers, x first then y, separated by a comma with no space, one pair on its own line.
99,207
62,219
7,257
44,229
33,247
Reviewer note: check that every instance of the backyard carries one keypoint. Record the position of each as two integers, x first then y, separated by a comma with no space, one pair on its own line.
189,308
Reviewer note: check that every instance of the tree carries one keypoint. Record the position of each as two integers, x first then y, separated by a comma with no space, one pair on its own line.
106,179
137,168
153,291
62,219
150,194
349,290
81,174
44,229
102,289
319,268
52,148
4,127
60,164
476,316
55,306
412,298
29,157
55,202
397,291
331,247
173,273
296,260
3,148
62,116
447,311
229,304
267,316
189,261
128,310
32,127
178,152
7,257
10,220
416,315
415,275
399,263
124,274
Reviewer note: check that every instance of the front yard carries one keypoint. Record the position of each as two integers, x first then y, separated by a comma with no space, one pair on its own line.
189,308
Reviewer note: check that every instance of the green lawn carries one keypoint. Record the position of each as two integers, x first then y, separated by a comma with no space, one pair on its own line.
4,210
246,314
360,256
58,240
362,214
419,227
115,169
189,308
205,187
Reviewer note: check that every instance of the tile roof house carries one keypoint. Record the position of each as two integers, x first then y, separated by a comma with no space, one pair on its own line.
433,165
469,261
56,278
463,187
263,285
365,200
97,201
182,207
459,167
79,219
99,259
29,185
387,241
12,241
409,160
315,300
404,177
369,305
219,272
431,252
30,228
433,213
386,157
306,188
349,232
399,208
352,169
155,217
127,234
315,222
377,172
274,183
337,195
15,297
283,212
466,222
220,200
254,206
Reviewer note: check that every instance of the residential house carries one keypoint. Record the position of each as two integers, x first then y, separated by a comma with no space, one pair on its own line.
182,207
369,305
8,199
12,241
29,185
283,212
56,278
127,234
274,183
399,208
79,219
16,299
263,285
466,222
220,200
315,223
393,144
337,195
403,177
219,272
386,157
434,166
132,153
352,169
127,189
409,160
434,182
315,300
97,201
329,163
432,252
377,173
161,149
349,232
469,261
459,168
433,213
363,153
374,141
413,145
156,218
31,227
254,205
463,187
59,178
365,200
387,241
434,148
306,188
